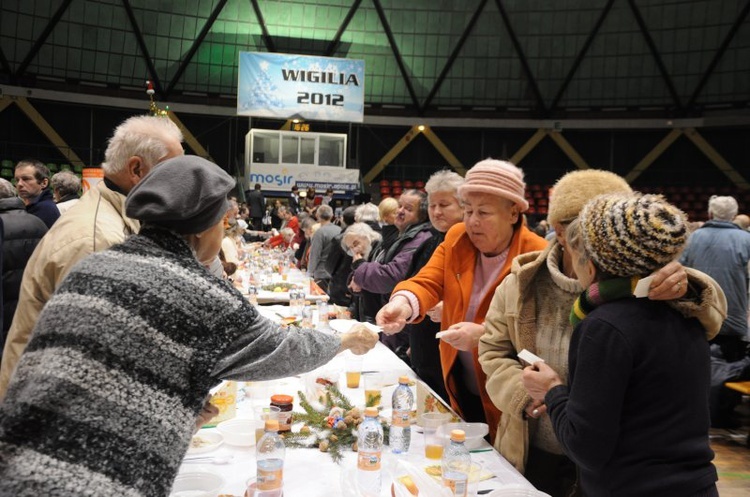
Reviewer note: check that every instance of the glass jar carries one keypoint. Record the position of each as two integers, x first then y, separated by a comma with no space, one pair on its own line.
285,405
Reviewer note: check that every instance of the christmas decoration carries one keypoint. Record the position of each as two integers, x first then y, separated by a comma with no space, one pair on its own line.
153,109
331,428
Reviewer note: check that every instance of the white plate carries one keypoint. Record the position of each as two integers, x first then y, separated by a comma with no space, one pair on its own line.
516,491
214,439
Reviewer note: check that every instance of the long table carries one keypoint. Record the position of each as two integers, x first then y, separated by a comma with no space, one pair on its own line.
311,473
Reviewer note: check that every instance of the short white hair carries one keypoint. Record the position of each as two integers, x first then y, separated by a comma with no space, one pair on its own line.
7,190
65,183
722,208
444,182
366,212
360,230
147,137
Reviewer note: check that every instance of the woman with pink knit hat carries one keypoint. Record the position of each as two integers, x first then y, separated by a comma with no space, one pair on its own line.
464,272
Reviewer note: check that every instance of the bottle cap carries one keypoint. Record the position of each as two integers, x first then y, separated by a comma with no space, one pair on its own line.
458,436
371,412
403,380
272,425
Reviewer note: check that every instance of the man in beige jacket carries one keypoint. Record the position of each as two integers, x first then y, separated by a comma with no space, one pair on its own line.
95,223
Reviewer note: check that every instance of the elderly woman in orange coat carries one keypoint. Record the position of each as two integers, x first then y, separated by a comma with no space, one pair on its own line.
464,272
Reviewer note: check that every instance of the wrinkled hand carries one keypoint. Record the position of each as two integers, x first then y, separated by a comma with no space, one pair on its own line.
535,409
360,339
669,283
208,413
464,336
393,315
539,379
354,287
436,313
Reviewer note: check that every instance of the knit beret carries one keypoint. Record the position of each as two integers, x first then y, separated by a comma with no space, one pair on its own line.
186,194
632,235
574,189
496,177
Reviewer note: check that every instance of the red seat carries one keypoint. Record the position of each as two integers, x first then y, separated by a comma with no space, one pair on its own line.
384,190
419,184
395,182
408,184
396,190
384,183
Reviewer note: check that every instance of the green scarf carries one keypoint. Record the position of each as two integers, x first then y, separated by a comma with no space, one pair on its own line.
600,293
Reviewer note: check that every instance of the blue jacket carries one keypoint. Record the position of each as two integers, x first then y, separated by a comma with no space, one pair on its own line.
721,249
44,208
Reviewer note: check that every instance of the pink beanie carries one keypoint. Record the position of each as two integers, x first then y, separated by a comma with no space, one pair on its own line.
496,177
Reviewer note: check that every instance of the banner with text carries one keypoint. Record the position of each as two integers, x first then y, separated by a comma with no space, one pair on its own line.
299,86
276,178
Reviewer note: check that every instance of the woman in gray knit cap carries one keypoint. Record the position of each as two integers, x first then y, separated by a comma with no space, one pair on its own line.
105,399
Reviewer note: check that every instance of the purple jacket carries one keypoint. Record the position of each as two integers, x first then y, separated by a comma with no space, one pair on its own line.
377,277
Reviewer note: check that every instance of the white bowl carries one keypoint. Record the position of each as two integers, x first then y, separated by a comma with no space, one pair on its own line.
197,484
209,440
475,432
239,432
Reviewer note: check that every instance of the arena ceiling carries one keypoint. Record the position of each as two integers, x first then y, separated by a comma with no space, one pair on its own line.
525,58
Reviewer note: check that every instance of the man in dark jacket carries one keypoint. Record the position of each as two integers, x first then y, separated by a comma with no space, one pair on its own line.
21,233
380,276
32,179
257,204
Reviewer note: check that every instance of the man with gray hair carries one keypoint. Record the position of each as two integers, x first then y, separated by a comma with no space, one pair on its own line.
96,223
721,249
21,233
65,186
320,246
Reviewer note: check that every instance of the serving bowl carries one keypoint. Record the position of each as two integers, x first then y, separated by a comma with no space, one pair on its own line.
239,432
475,432
197,484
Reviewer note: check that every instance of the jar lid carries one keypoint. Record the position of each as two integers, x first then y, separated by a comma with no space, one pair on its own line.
282,399
458,435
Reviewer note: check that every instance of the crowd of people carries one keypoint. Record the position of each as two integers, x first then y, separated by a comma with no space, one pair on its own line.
122,299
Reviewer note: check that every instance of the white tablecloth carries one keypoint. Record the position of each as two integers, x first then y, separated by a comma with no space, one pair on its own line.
311,473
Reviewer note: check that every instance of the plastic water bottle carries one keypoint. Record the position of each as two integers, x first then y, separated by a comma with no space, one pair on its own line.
456,464
369,453
323,314
269,453
402,401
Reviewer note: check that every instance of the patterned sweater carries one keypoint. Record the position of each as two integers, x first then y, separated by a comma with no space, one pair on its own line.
105,398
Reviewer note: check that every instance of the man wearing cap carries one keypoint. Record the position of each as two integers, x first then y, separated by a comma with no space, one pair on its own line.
105,399
95,223
633,415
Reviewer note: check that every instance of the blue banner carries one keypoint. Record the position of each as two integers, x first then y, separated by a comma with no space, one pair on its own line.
302,87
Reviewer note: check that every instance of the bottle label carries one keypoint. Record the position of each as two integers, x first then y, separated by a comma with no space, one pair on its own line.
456,483
368,461
401,419
270,478
285,421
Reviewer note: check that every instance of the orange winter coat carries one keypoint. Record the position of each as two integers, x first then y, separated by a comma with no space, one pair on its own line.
449,276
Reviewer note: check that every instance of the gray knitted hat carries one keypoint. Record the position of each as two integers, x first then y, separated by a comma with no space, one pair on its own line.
186,194
632,235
